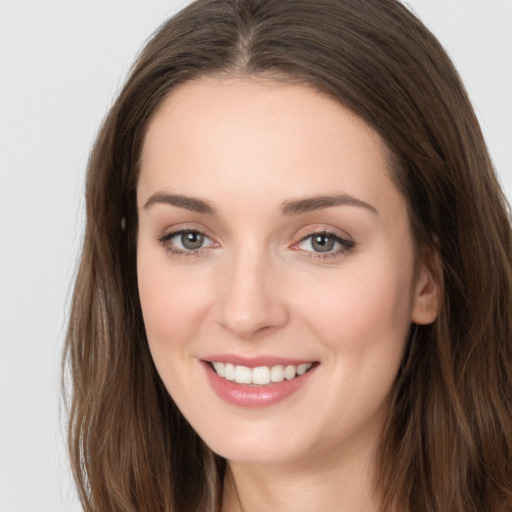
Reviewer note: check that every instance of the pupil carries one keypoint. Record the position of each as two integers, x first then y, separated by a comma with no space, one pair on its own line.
322,243
192,240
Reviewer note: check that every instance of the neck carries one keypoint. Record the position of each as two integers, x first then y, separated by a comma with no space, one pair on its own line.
323,484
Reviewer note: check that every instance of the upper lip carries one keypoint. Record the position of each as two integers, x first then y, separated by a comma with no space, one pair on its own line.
254,362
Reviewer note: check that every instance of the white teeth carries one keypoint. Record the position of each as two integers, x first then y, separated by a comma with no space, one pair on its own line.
277,373
242,375
290,372
302,369
219,368
229,371
261,375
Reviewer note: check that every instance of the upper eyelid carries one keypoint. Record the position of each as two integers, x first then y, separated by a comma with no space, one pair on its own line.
348,243
340,235
165,241
328,233
171,231
171,234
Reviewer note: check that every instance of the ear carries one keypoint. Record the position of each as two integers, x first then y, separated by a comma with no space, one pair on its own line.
427,288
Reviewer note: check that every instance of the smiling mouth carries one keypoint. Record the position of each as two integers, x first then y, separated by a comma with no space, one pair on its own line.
261,375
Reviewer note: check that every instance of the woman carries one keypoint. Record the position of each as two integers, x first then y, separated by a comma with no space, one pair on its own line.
295,285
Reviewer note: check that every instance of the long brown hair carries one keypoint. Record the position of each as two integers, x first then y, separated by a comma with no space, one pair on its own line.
447,445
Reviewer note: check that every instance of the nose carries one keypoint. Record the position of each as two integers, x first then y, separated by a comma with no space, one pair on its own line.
251,301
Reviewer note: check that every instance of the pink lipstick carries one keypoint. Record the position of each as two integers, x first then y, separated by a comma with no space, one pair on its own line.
256,382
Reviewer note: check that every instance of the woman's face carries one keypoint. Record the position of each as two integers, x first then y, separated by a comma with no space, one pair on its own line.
272,242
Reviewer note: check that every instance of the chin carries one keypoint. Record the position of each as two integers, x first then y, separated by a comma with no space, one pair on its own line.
272,447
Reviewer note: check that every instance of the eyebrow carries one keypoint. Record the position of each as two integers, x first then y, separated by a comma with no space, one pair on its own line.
309,204
292,207
189,203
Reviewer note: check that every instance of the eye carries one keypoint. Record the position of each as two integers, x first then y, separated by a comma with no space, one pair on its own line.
190,240
187,241
325,243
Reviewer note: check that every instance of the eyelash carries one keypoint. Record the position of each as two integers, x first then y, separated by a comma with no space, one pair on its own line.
165,240
345,245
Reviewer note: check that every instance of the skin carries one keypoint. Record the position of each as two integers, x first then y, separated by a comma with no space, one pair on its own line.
257,286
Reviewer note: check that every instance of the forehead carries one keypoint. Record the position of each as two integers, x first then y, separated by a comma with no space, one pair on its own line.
252,135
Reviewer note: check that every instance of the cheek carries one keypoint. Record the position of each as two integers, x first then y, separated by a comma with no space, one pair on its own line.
365,311
172,305
362,319
172,301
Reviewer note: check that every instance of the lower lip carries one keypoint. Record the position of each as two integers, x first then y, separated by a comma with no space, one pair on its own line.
243,395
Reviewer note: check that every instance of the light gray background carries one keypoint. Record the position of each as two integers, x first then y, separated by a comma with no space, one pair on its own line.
61,63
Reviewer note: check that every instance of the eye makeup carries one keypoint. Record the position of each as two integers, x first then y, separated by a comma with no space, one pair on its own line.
317,244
